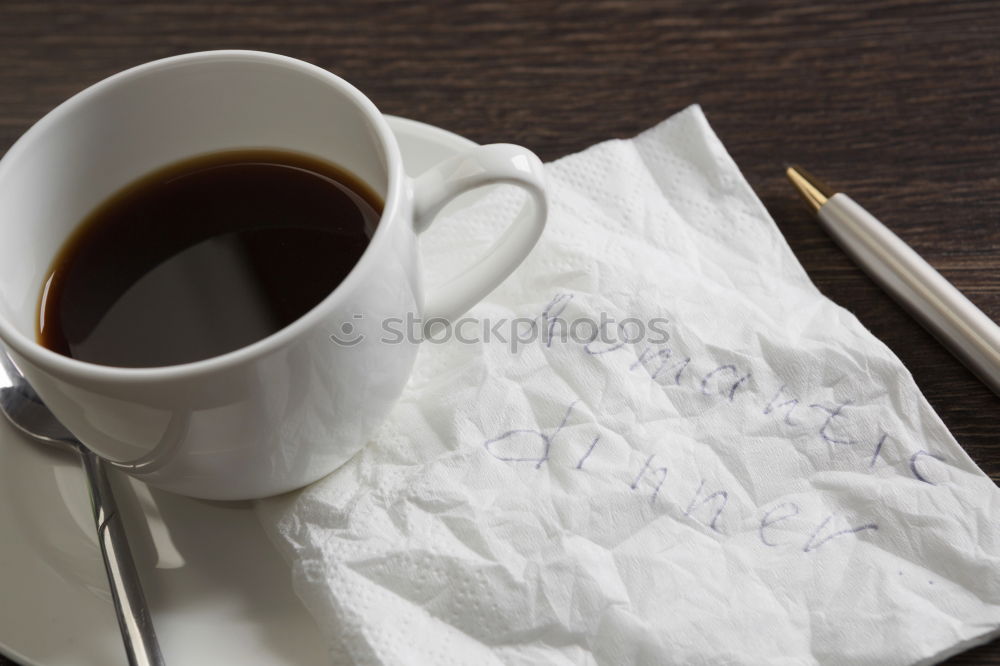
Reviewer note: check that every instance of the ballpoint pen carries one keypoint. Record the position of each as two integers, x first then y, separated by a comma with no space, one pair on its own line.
941,308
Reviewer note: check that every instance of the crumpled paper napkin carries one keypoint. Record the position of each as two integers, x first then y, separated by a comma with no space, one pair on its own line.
753,479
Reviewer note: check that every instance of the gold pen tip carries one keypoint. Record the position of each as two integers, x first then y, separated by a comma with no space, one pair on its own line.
814,191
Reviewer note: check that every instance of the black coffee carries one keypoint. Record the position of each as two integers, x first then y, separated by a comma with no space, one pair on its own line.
203,257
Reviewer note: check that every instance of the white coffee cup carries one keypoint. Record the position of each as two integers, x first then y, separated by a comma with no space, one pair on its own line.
287,409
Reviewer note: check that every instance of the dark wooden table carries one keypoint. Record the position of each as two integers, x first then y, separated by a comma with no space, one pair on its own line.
895,101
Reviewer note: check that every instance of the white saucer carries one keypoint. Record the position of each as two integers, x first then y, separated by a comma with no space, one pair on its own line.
219,591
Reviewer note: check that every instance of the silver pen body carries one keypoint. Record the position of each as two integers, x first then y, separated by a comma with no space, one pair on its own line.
943,310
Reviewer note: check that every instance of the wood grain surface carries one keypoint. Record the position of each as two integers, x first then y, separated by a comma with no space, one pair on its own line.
895,102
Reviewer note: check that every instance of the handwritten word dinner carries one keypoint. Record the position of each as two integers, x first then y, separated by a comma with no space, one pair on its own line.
660,364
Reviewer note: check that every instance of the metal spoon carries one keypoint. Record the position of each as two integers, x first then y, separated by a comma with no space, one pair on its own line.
26,411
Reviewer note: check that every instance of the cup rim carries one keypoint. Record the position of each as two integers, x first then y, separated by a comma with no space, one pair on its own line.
65,365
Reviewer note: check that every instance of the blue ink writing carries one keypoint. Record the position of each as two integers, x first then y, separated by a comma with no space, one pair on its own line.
550,318
727,368
662,471
638,477
831,414
878,449
586,455
543,441
790,510
697,502
815,541
916,471
791,404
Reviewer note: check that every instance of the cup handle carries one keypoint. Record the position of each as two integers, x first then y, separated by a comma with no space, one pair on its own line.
499,163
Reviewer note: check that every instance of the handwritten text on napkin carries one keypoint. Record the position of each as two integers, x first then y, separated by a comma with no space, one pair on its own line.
765,485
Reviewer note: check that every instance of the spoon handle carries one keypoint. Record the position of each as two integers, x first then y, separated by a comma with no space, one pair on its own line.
134,619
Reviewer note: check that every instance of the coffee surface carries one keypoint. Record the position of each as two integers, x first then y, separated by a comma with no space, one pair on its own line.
203,257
